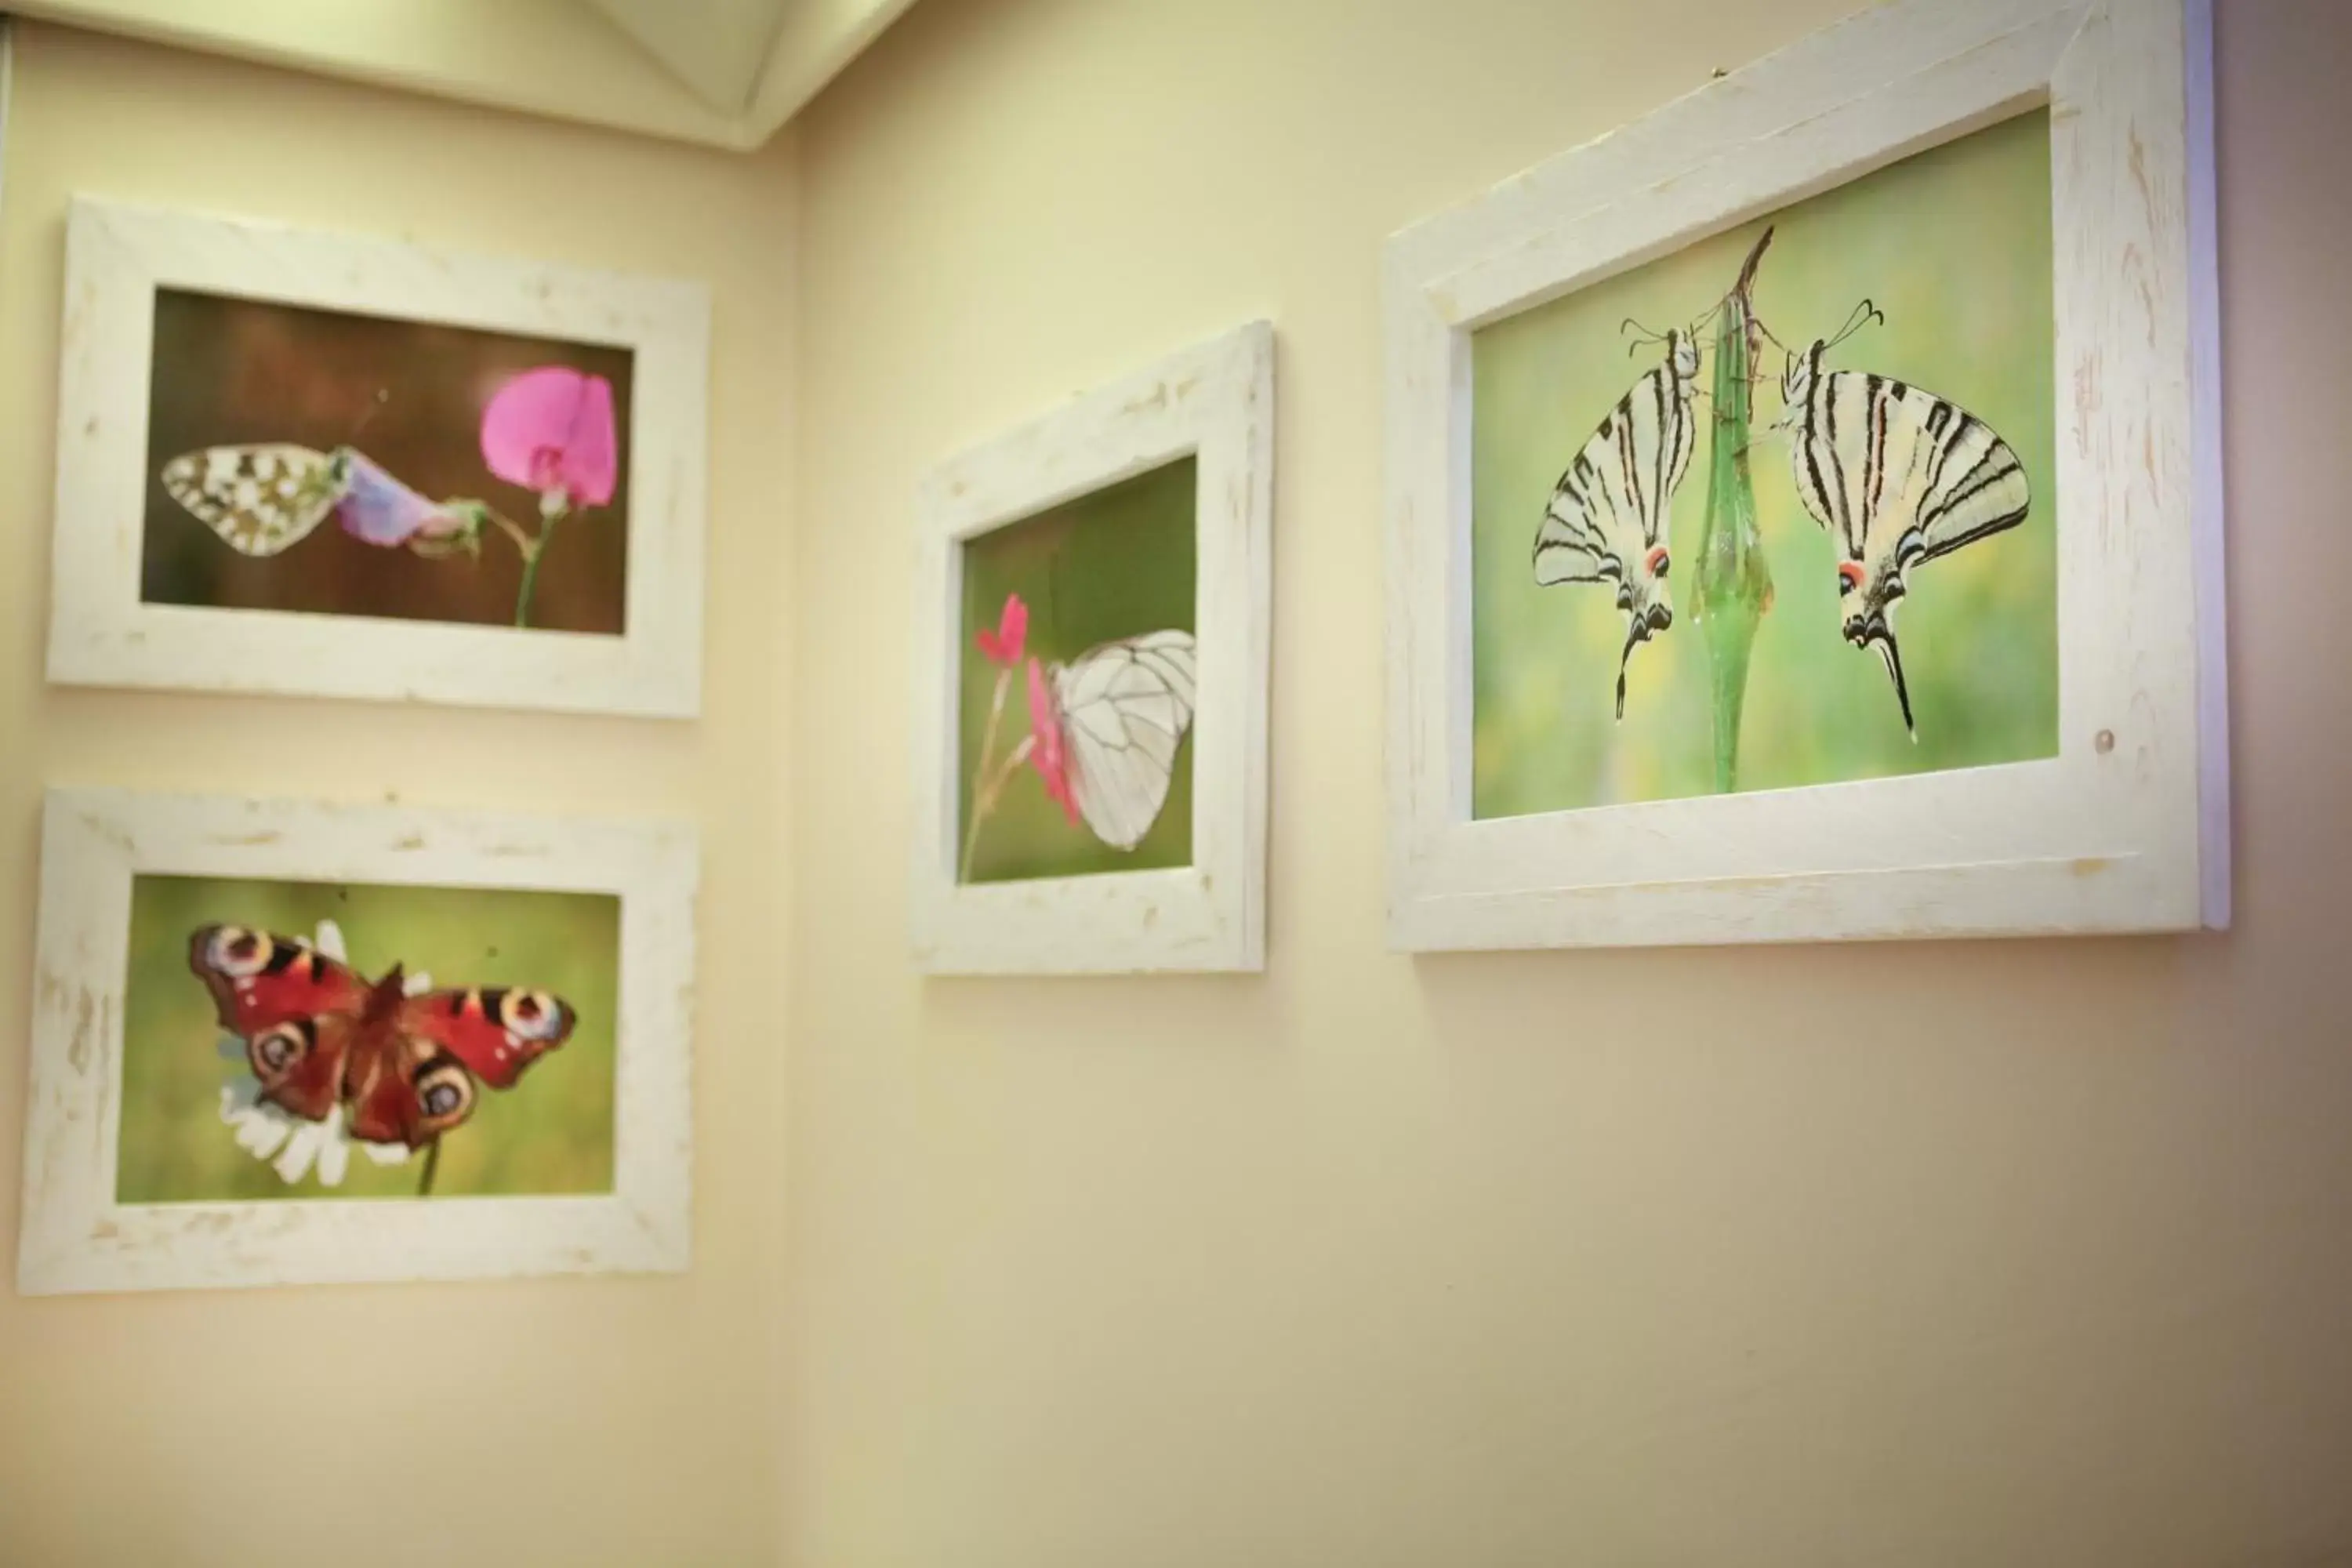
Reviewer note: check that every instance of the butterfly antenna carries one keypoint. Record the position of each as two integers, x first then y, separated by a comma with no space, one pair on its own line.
375,406
1864,314
1644,336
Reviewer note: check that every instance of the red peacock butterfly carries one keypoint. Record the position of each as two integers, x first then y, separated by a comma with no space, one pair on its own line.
317,1034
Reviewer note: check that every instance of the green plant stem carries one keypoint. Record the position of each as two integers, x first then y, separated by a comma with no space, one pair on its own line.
1734,583
431,1169
983,803
505,525
987,754
531,552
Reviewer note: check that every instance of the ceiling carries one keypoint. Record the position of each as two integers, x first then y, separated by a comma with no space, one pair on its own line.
725,73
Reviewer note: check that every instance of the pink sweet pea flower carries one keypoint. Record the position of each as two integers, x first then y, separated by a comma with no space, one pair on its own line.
1002,646
1045,748
551,430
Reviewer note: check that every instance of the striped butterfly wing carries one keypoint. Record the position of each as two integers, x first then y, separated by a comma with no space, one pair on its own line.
259,499
1607,518
1610,507
1898,476
1125,707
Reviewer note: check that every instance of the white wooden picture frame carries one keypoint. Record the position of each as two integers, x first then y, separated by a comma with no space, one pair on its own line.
75,1236
101,632
2126,827
1213,402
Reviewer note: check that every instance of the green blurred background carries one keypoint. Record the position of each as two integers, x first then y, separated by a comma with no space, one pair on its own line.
228,372
1954,245
1118,562
551,1132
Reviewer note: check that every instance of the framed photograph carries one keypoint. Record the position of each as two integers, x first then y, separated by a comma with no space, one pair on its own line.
279,1042
1089,738
1805,506
302,463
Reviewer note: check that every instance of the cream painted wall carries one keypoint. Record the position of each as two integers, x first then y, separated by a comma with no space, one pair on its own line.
2001,1252
622,1422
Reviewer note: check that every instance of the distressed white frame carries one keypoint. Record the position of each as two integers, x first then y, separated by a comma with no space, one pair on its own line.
2127,828
76,1238
102,633
1213,402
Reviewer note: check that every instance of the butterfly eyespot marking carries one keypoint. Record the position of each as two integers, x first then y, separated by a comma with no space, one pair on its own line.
1850,575
1657,561
445,1092
238,952
527,1015
276,1052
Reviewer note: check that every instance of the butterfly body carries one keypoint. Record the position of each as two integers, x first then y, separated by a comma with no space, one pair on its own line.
265,498
1607,518
1897,476
1123,708
316,1035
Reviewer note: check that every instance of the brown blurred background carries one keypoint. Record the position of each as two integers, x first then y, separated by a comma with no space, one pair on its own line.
232,371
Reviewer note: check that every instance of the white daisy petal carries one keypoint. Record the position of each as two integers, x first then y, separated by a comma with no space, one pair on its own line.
328,939
334,1150
301,1153
260,1131
383,1153
417,985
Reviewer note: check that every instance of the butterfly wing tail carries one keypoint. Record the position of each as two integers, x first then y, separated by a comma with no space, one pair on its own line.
1893,658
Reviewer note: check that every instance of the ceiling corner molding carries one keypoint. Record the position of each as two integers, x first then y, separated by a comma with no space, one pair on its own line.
818,38
722,73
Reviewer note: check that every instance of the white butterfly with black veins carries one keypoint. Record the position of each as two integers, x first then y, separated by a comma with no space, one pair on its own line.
1124,707
1607,518
1899,477
263,497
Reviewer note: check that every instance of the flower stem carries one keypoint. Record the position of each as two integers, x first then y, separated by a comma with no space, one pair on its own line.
982,801
512,529
431,1169
531,558
984,804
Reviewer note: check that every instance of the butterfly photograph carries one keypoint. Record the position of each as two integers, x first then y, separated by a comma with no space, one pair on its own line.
332,463
1777,508
1078,671
316,1040
1089,759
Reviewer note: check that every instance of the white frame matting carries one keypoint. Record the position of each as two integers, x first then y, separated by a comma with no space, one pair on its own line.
2127,828
1214,402
102,633
76,1238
